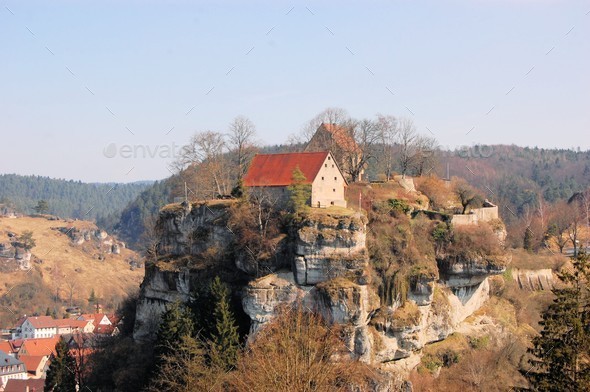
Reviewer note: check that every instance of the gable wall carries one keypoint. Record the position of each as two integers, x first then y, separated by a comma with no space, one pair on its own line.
328,186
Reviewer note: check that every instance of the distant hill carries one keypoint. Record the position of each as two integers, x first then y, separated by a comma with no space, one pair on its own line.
516,177
69,261
102,203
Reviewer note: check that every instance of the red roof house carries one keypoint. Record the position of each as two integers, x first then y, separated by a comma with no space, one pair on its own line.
273,173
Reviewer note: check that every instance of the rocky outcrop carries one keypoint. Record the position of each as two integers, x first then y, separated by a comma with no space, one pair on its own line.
14,257
329,247
327,269
263,297
97,238
533,280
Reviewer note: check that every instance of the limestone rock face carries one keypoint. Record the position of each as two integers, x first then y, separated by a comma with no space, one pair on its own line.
330,247
188,229
262,297
323,263
159,288
533,280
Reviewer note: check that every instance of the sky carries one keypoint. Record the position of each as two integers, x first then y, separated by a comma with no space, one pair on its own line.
110,91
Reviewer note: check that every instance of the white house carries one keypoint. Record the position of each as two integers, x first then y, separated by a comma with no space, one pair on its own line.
273,173
11,368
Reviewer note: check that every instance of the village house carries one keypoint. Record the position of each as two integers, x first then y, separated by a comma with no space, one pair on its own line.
36,365
10,368
38,347
273,174
30,385
36,327
339,140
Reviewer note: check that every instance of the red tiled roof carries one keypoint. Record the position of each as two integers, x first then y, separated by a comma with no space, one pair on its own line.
14,385
104,329
8,347
71,323
40,346
31,362
341,137
42,321
277,169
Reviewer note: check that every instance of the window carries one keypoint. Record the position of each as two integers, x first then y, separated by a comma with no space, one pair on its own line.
322,178
335,178
329,158
332,203
332,165
326,165
334,190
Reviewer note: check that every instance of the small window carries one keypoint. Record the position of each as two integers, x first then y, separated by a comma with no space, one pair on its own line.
335,178
334,190
329,158
332,165
332,203
326,165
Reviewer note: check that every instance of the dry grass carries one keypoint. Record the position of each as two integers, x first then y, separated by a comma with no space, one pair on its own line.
64,265
534,261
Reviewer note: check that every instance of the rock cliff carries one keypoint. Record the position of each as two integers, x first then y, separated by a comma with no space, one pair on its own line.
322,262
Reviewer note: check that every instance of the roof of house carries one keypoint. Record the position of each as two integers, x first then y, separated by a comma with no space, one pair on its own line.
35,385
95,318
8,360
72,323
40,346
277,169
8,346
32,362
104,329
42,321
341,136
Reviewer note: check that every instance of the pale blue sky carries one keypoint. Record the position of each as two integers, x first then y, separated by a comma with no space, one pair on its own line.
447,62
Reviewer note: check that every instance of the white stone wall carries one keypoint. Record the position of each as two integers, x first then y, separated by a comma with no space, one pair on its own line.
328,186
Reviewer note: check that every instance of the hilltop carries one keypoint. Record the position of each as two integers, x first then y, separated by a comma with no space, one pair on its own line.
70,259
102,203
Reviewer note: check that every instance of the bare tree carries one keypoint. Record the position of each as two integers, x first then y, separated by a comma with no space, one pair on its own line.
387,128
559,223
407,137
206,152
328,116
241,142
424,158
468,196
365,134
71,286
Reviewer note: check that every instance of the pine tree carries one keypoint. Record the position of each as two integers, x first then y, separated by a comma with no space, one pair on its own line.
61,375
27,240
42,207
300,191
225,340
176,322
92,297
562,349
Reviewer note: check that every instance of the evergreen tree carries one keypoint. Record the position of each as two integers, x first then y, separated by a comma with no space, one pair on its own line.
92,297
48,312
299,190
176,322
562,349
61,375
225,340
27,240
42,207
